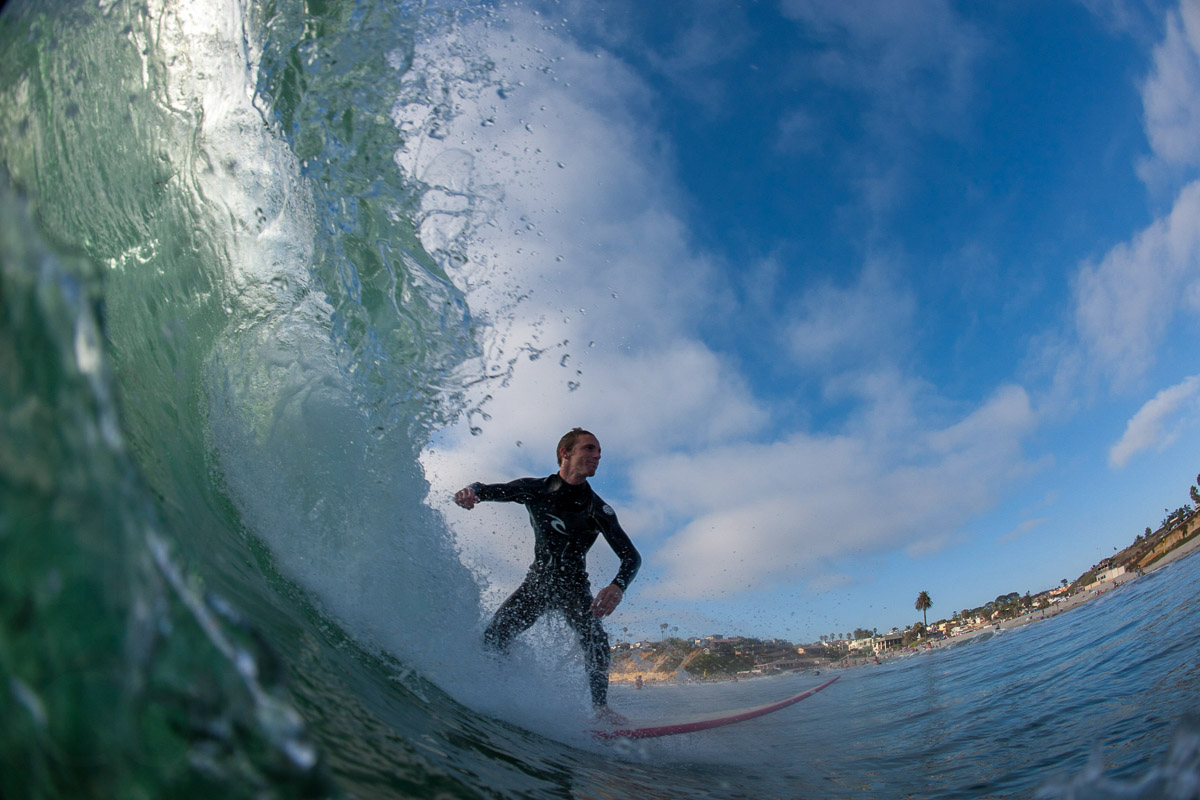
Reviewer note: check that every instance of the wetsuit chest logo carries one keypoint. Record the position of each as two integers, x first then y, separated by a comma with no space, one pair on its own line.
557,524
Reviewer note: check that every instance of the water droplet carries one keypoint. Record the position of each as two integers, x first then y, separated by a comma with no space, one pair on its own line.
562,362
572,385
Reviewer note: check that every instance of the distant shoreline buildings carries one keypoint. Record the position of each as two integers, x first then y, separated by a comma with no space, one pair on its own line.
717,657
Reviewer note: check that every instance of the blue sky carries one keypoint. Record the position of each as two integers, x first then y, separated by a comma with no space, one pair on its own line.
862,299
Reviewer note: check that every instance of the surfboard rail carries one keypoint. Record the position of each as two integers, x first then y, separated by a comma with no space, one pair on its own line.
709,721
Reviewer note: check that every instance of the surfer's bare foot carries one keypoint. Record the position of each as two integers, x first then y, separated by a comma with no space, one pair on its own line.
606,715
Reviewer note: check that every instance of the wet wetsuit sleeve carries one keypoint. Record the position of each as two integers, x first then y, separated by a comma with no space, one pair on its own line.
520,491
618,540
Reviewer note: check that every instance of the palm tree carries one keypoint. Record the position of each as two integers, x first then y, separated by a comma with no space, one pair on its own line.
664,625
923,605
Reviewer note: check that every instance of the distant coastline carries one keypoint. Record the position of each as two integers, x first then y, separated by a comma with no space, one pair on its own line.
1186,547
668,661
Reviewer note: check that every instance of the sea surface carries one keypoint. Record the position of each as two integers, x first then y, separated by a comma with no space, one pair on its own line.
229,325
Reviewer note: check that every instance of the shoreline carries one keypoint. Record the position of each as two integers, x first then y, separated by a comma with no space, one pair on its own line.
649,678
1081,598
1069,603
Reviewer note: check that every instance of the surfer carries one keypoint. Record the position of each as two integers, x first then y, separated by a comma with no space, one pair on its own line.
566,516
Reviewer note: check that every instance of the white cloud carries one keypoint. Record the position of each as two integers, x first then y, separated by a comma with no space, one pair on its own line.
1157,423
678,394
1138,18
916,62
580,252
712,35
929,545
1171,94
868,321
759,515
1124,304
876,80
1024,528
799,131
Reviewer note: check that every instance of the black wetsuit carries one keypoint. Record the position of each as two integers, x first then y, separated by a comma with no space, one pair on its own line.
566,520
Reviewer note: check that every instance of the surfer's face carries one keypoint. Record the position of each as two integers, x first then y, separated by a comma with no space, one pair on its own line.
583,459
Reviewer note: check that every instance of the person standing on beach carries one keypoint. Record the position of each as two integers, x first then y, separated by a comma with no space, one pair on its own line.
567,517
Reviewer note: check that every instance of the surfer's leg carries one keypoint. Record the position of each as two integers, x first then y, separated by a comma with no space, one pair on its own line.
597,657
516,614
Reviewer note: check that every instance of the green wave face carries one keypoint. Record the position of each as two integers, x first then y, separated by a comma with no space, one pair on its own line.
222,350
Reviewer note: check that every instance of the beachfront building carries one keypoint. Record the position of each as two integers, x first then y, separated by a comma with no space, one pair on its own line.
862,644
892,639
877,644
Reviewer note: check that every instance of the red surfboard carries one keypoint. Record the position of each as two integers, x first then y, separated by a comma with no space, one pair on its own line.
709,720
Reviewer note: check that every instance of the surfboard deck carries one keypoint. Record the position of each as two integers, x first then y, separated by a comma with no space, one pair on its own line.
707,721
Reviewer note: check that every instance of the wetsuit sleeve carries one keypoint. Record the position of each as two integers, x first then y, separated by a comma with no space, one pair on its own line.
520,491
618,540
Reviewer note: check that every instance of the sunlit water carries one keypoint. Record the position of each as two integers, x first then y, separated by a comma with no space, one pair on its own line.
226,336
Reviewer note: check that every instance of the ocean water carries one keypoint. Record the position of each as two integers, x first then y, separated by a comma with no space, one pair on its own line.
229,325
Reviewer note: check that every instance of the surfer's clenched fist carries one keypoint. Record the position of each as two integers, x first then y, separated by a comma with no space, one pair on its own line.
466,497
